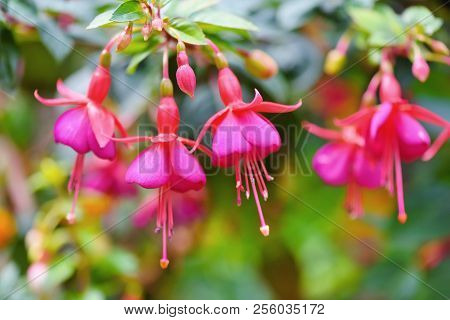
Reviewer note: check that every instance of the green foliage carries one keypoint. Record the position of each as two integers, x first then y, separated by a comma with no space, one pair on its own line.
421,18
127,12
186,31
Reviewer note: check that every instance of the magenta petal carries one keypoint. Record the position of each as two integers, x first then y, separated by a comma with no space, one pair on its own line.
229,145
367,169
102,123
332,163
413,139
59,101
272,107
151,168
260,133
71,129
187,174
379,118
67,92
107,152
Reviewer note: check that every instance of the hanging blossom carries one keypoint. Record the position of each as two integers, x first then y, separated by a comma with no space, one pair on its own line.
394,133
166,165
345,161
89,125
242,137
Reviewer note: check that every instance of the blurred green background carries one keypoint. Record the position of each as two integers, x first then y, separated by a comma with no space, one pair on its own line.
315,251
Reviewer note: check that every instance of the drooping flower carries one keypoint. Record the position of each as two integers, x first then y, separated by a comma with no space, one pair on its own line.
395,135
108,177
242,137
166,165
89,125
345,161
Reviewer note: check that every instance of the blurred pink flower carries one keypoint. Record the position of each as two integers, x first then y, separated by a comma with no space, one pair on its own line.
395,135
242,137
345,161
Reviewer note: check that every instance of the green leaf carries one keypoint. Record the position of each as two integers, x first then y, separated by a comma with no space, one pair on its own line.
9,59
55,40
186,31
102,19
224,20
151,44
128,11
382,25
423,18
188,7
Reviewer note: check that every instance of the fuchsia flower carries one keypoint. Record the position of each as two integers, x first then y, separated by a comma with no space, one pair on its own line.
108,177
242,138
395,135
166,165
345,161
89,125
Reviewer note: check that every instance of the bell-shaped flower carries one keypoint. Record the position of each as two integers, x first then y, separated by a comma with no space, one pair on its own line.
345,161
166,165
242,138
88,126
395,135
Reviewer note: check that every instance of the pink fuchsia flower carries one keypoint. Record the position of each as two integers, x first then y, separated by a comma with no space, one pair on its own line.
345,161
242,138
187,207
395,135
89,125
186,79
167,166
108,177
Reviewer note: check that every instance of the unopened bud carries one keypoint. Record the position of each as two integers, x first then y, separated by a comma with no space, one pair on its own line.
125,37
439,47
166,88
146,31
186,79
157,24
260,64
334,62
420,68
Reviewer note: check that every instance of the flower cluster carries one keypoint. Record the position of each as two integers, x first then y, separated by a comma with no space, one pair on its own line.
370,145
242,136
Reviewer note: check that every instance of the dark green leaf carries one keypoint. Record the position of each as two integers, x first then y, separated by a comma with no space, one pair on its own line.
186,31
128,11
9,58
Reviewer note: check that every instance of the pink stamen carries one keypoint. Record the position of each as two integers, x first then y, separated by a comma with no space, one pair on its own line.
164,262
247,189
321,132
399,183
264,227
259,180
74,185
170,212
266,174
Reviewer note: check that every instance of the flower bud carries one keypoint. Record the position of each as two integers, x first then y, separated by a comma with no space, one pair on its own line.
260,64
439,47
420,68
125,37
168,117
157,24
146,31
390,90
185,75
334,62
